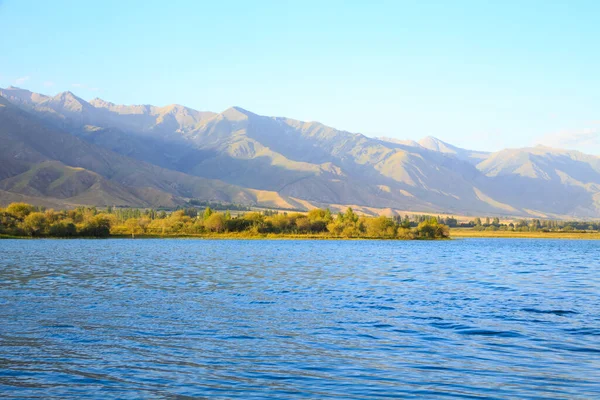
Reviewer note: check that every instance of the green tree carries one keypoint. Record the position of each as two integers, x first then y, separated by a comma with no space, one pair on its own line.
336,227
35,223
215,223
95,226
431,229
280,223
303,224
64,228
380,227
405,222
20,210
133,226
350,216
255,218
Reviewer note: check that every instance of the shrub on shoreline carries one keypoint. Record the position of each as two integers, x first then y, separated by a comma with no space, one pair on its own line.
21,219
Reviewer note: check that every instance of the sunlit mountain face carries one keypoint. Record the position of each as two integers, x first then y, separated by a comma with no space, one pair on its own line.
64,151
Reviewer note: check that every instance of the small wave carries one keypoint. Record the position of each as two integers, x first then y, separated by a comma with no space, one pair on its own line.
486,332
450,325
584,331
242,337
367,336
383,326
577,349
382,307
59,326
555,312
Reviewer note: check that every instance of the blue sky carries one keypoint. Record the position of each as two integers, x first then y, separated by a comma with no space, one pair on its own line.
478,74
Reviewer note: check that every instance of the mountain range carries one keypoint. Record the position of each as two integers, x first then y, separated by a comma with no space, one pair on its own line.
63,151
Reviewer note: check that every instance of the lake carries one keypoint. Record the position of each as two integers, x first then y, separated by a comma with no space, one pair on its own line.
493,318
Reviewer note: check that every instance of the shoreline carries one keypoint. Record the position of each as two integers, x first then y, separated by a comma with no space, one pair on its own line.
459,233
454,235
222,237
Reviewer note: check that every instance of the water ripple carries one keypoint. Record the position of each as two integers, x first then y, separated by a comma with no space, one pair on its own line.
293,319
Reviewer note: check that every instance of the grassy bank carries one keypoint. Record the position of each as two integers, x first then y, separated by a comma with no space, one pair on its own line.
455,233
224,236
3,236
240,235
472,233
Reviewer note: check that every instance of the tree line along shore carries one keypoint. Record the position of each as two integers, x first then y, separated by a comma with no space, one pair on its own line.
25,220
527,225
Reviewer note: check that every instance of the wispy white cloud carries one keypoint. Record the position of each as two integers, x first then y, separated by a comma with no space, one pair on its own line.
586,139
21,80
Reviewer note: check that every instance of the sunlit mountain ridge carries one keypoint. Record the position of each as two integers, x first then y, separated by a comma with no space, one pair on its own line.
144,155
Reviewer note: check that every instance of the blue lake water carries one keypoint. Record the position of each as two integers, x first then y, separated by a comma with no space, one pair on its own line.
493,318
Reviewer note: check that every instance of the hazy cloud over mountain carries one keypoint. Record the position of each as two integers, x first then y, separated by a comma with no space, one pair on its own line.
586,140
21,80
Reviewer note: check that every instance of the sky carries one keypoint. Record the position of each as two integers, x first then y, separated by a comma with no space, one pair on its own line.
480,74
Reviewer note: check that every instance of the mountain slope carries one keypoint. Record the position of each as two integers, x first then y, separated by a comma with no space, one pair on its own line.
69,111
541,178
471,156
301,163
41,162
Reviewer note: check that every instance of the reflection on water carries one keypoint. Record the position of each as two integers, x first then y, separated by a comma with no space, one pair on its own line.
348,319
